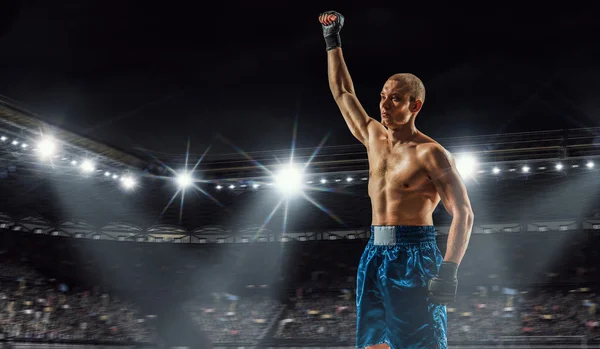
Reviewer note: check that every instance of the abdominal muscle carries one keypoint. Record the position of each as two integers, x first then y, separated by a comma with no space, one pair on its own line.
398,207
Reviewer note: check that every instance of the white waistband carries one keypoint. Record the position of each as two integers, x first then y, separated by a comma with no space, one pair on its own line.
384,235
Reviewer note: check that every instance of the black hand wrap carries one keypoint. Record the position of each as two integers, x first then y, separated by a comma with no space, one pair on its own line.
331,32
442,288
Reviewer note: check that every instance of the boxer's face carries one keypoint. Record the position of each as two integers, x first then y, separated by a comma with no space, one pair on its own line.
395,105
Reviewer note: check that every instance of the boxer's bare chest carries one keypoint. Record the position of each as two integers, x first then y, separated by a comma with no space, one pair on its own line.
396,165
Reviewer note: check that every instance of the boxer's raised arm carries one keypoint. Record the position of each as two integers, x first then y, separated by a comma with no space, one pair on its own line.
340,82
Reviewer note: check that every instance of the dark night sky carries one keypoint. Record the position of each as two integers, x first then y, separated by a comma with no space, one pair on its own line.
137,75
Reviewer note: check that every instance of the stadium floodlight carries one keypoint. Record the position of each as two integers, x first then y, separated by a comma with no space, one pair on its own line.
496,170
128,182
525,169
88,166
590,164
559,166
46,147
184,180
466,165
289,180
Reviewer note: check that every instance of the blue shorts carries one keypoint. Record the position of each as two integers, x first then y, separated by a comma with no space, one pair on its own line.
391,290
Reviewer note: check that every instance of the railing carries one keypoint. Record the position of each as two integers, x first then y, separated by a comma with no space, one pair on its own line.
45,344
579,342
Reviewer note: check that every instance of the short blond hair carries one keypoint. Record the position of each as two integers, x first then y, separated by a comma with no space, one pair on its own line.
414,84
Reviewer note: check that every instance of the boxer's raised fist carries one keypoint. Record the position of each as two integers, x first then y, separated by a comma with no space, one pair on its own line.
332,23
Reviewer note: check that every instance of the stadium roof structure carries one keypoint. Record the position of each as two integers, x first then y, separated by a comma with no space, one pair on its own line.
224,195
23,124
512,148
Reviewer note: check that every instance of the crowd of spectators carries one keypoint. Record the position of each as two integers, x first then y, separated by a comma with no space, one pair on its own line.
512,284
228,318
537,284
319,316
33,307
489,314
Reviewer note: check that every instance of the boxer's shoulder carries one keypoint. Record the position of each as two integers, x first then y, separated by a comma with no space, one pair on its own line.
428,150
427,144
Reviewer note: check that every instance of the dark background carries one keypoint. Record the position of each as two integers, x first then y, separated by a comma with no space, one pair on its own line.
151,75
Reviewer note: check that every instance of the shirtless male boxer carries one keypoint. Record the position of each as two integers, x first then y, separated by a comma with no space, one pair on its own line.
403,282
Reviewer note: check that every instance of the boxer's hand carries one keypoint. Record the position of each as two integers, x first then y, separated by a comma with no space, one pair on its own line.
332,23
442,288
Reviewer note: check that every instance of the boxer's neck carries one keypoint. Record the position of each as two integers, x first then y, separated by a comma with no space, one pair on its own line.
403,133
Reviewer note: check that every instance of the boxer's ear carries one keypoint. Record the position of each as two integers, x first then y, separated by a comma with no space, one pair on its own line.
416,106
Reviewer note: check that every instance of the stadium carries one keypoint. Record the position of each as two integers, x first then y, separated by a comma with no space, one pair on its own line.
110,276
113,234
